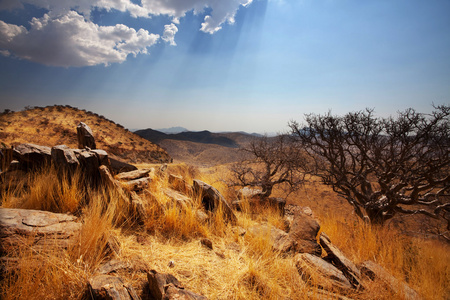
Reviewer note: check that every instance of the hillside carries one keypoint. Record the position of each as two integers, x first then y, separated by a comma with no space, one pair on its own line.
56,125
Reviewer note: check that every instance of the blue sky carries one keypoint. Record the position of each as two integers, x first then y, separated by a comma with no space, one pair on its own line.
224,65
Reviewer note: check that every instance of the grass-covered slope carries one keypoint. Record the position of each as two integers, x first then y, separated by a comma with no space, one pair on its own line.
56,125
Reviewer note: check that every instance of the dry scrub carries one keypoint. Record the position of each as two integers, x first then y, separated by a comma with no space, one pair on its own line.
238,267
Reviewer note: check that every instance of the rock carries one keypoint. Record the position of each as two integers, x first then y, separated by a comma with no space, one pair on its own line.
275,235
375,271
207,243
132,175
119,166
317,271
44,227
107,287
172,292
85,137
136,184
157,281
303,231
64,158
89,163
212,199
179,184
201,216
337,258
250,193
112,266
32,156
179,198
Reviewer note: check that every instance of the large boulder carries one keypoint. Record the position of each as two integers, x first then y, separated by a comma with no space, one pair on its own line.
44,229
318,272
375,271
85,137
32,156
212,199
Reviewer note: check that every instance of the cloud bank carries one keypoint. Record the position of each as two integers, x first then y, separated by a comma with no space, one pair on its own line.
65,36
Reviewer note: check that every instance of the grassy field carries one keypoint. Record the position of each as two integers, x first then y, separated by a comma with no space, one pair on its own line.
238,267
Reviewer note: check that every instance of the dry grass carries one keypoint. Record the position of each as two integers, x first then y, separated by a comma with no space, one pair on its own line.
236,268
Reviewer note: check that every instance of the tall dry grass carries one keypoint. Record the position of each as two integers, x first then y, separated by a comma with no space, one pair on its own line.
237,267
48,190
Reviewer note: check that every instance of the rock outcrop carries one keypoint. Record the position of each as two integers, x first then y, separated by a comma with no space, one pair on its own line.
85,137
212,199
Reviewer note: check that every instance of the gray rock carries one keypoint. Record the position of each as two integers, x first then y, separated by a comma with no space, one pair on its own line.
303,231
107,287
174,293
132,175
32,156
180,199
136,184
317,271
212,199
118,166
85,137
337,258
65,158
157,281
375,271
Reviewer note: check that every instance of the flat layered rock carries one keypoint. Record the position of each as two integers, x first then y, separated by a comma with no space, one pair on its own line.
59,229
135,174
317,271
340,260
32,156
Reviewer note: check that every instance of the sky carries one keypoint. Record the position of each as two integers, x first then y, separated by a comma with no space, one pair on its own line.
224,65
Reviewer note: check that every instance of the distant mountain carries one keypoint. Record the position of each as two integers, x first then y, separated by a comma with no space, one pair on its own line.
203,137
172,130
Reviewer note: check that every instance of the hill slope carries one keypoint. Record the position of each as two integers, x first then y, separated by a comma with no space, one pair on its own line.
56,125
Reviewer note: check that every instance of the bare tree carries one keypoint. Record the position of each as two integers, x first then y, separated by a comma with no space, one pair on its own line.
383,166
269,162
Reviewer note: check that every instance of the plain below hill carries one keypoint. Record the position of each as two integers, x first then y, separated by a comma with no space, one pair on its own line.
56,125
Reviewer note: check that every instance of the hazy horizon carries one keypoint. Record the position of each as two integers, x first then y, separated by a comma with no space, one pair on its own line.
233,65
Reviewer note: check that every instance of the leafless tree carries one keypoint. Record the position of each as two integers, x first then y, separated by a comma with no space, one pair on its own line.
270,161
383,166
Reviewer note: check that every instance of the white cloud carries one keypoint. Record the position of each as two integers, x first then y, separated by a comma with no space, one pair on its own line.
65,36
70,40
169,34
